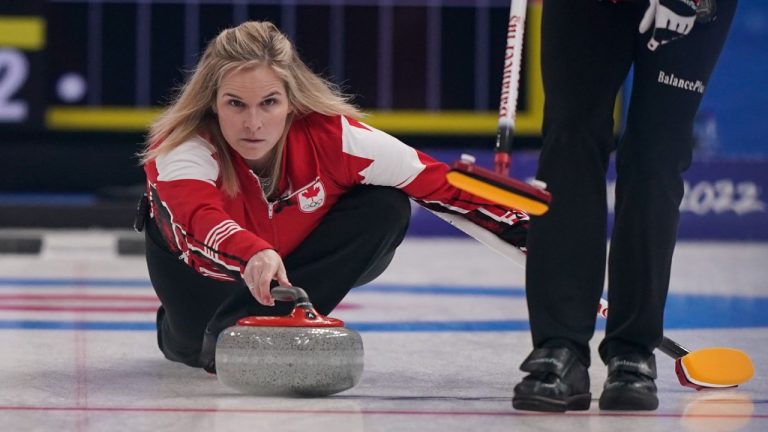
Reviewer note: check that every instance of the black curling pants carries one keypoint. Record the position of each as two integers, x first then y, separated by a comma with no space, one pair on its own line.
588,47
353,245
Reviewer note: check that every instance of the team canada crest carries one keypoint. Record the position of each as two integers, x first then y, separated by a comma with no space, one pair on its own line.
312,197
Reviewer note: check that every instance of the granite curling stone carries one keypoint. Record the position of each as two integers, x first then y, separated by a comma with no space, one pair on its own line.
301,354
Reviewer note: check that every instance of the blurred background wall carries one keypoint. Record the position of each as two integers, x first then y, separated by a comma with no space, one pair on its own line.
80,80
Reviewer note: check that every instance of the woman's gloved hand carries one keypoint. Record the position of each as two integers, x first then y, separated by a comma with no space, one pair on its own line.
671,19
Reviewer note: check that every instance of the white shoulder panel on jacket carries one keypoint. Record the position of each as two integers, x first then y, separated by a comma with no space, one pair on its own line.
191,160
393,162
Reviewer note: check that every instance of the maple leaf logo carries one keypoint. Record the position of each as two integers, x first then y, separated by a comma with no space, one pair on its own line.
311,192
312,198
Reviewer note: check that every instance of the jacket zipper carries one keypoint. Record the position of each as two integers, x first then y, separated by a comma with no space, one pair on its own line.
270,215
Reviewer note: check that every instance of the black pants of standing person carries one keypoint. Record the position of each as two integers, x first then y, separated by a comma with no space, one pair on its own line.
353,245
588,47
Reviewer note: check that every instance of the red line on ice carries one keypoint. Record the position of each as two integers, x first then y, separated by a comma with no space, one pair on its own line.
371,412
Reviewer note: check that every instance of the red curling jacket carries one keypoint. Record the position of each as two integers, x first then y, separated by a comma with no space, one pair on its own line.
324,157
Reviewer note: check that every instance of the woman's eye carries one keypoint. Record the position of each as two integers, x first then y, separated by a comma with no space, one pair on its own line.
270,102
236,103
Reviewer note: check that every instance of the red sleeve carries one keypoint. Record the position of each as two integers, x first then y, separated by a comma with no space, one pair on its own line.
374,157
189,209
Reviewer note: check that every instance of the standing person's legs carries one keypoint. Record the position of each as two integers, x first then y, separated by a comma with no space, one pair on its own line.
654,152
586,54
652,155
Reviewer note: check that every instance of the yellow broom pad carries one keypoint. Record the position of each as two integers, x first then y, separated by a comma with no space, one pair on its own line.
496,194
718,366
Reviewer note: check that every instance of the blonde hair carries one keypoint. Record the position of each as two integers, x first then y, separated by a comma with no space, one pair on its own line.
248,45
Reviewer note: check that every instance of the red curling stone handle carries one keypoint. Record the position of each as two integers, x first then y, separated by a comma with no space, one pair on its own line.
302,315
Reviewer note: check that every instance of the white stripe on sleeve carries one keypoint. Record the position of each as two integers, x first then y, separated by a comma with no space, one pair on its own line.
191,160
221,232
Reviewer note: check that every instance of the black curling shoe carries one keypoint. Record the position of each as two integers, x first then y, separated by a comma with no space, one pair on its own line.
557,382
207,356
630,385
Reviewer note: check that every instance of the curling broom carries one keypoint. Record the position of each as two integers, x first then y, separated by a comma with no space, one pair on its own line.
495,185
706,368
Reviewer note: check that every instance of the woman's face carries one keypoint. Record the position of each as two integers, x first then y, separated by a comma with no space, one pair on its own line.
252,107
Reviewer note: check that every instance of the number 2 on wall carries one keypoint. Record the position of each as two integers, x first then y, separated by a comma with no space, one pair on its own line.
14,69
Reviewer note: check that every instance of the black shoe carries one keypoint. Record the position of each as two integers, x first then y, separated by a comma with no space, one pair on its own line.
558,381
208,352
630,385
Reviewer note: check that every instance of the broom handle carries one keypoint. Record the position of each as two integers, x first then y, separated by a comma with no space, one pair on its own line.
510,83
672,348
668,346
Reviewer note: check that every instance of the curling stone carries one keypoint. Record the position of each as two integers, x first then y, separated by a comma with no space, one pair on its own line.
301,354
